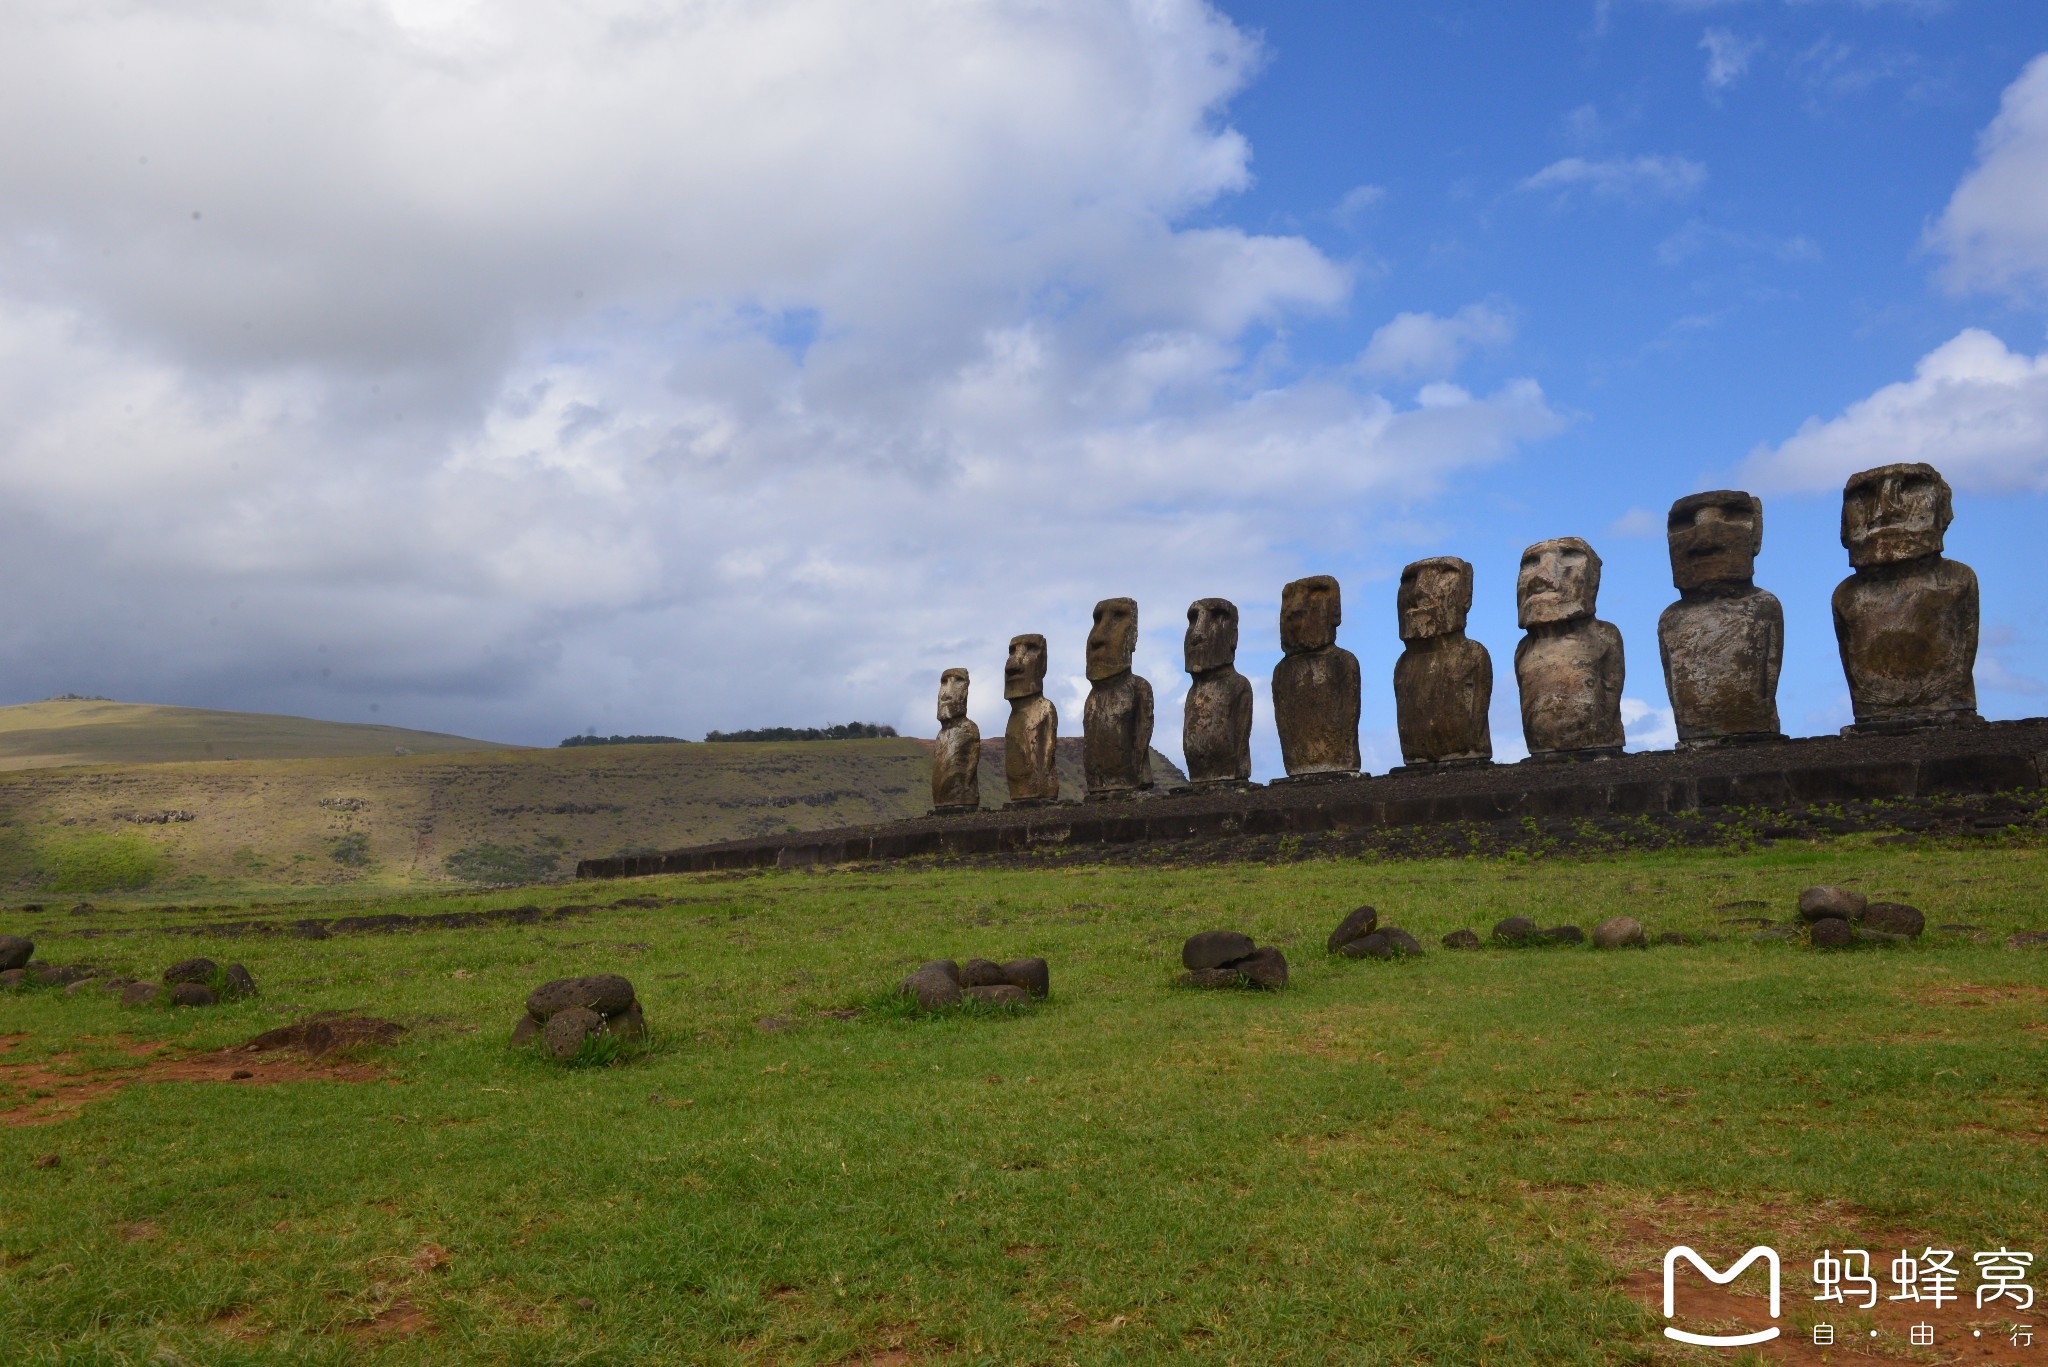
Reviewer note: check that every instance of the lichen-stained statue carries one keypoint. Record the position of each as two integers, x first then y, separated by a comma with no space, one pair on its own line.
1315,685
1030,765
1116,721
1906,619
956,759
1443,682
1724,639
1216,720
1569,664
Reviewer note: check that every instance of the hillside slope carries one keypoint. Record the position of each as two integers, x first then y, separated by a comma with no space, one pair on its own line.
89,731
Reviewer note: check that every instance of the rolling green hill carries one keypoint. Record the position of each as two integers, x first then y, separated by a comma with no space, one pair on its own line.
93,731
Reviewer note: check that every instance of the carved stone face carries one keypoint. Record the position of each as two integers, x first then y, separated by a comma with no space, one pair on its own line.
1895,513
1113,639
1714,538
1435,596
1024,671
952,695
1559,582
1212,634
1310,610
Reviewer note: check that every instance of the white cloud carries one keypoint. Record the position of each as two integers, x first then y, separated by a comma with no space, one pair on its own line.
1424,346
1974,409
1357,202
1728,57
1995,228
529,367
1648,726
1621,178
1637,522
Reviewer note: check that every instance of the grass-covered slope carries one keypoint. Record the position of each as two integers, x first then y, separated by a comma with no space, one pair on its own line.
1475,1157
93,731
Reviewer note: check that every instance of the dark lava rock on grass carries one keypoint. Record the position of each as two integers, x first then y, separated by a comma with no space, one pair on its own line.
192,994
1619,932
1029,974
15,951
1388,942
1674,937
525,1030
13,978
998,994
140,994
981,973
1563,935
933,985
1832,932
1515,930
238,982
60,975
568,1028
2027,939
1462,939
1214,949
1356,926
198,971
1263,967
326,1032
608,994
1894,918
1821,903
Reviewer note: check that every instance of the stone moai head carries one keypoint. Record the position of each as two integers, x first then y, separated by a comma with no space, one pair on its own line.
1559,582
1895,513
952,696
1714,538
1310,610
1435,596
1113,639
1024,671
1212,635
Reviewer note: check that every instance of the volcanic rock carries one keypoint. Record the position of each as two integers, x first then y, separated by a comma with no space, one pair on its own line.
1619,932
1356,926
1463,938
15,951
199,971
1894,918
1214,949
1845,904
1832,932
192,994
567,1028
1029,974
608,994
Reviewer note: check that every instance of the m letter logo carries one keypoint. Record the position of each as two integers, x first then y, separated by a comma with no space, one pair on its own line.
1769,1255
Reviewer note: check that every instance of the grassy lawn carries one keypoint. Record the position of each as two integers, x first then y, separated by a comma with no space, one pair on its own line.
1474,1157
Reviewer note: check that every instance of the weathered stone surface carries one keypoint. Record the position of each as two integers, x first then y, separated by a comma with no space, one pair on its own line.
981,973
13,977
1619,932
1029,974
1462,938
1443,682
630,1023
240,983
192,994
605,993
15,951
1906,619
1515,930
139,994
1264,967
1214,948
1569,664
2027,939
191,971
1356,926
1723,641
1116,720
1400,944
1216,718
1827,900
1563,935
956,757
932,986
1212,977
1316,683
998,994
525,1030
567,1028
1030,769
82,986
1372,945
1832,932
945,966
61,975
1894,918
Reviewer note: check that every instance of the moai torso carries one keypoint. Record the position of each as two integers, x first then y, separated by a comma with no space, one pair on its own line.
1906,620
1443,682
1722,642
1116,721
1569,666
1030,759
1315,686
956,759
1216,720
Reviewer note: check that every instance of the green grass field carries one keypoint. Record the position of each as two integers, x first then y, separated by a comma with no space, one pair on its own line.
1474,1157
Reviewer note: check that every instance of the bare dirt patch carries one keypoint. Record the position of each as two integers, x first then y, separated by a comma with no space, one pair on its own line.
400,1319
53,1095
328,1032
1981,994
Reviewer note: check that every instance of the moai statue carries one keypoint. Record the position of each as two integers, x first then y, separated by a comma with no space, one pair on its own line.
1216,725
1116,722
1443,682
1029,764
956,762
1569,664
1906,620
1724,638
1315,685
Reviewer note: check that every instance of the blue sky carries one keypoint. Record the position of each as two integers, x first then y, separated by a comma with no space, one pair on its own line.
523,368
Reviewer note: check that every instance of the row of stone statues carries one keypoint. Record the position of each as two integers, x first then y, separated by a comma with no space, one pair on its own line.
1905,622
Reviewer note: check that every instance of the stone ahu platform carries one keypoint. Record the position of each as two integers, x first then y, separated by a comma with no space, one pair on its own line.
1991,758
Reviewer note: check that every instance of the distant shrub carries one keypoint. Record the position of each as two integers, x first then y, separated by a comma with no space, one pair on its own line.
500,864
98,862
853,730
351,850
574,741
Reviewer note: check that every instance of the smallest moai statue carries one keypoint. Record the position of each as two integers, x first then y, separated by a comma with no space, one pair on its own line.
1216,720
1906,620
1569,664
956,759
1116,721
1030,763
1315,685
1443,682
1723,640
